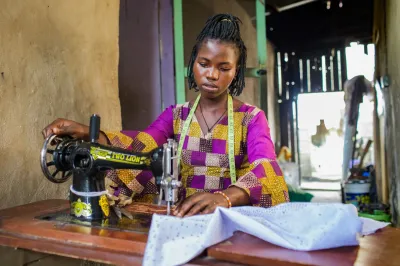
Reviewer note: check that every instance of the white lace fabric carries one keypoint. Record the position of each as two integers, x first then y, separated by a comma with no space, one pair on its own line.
297,226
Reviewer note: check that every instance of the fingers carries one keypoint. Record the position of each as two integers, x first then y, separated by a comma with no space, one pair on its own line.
63,127
196,204
56,127
199,203
187,205
177,207
179,204
184,206
46,132
197,208
209,209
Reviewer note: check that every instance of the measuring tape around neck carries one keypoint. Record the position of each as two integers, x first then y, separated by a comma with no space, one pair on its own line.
231,136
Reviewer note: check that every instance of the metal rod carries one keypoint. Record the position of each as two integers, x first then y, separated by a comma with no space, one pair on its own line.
278,56
323,72
179,56
339,62
262,53
301,72
288,7
332,74
294,5
308,75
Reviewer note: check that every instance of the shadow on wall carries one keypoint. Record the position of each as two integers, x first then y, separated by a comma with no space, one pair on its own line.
139,64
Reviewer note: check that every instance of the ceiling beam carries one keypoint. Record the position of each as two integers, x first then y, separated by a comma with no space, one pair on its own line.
288,7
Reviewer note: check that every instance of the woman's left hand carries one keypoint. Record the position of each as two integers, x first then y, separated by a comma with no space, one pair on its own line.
200,203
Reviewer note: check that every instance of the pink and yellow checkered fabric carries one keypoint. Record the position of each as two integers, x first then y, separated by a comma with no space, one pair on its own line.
204,162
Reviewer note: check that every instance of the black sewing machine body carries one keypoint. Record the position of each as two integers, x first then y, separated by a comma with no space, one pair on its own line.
88,163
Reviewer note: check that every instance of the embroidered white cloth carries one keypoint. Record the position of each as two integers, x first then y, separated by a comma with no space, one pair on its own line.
297,226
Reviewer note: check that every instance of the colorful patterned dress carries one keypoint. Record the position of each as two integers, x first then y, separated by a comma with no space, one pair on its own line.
204,161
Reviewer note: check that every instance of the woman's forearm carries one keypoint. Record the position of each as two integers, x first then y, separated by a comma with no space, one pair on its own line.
237,196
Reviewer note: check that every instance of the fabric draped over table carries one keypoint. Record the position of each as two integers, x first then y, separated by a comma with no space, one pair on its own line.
296,226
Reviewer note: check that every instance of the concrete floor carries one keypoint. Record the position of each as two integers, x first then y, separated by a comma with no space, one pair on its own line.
325,196
324,190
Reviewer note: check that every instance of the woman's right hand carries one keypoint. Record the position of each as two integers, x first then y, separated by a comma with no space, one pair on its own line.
64,127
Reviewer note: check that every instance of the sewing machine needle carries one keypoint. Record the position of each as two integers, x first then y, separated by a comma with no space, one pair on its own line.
168,207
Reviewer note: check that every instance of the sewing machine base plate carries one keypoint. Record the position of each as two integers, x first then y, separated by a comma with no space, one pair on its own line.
139,224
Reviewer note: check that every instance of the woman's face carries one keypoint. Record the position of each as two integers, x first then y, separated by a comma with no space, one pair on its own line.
215,67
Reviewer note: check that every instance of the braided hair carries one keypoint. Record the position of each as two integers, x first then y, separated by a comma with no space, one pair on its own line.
225,28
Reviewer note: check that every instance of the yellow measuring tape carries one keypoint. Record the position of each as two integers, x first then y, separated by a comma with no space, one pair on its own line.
231,136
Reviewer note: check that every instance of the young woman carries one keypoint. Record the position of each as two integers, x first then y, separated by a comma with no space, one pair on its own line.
227,155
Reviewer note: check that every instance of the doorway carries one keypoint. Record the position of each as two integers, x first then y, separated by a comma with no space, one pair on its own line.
320,139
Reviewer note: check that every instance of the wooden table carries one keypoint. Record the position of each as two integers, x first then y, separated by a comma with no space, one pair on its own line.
20,229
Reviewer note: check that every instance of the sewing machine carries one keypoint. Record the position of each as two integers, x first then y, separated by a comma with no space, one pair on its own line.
87,163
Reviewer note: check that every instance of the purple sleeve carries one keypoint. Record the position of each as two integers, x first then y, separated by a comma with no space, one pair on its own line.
130,133
127,183
162,128
262,177
154,135
259,142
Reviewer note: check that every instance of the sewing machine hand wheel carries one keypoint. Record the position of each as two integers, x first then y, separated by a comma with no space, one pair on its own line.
48,161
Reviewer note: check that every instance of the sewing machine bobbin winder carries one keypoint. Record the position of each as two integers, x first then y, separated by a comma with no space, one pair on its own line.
87,163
